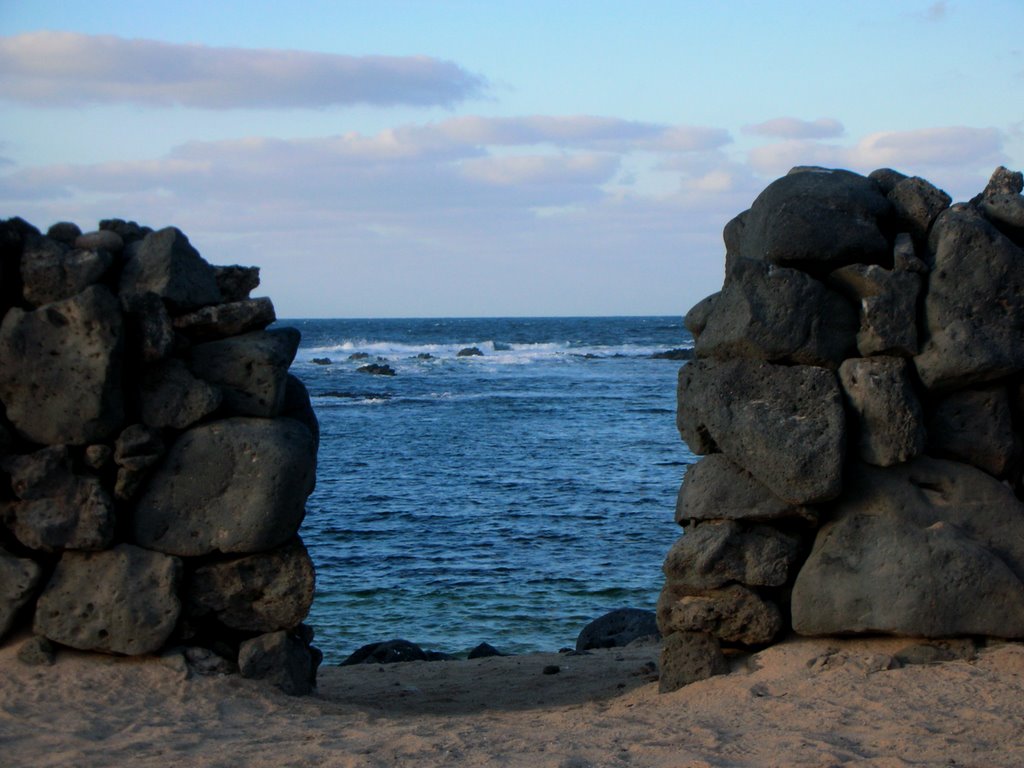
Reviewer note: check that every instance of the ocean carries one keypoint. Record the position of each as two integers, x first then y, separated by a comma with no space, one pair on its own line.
508,497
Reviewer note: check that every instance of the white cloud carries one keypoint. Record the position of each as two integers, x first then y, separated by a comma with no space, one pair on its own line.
794,128
70,69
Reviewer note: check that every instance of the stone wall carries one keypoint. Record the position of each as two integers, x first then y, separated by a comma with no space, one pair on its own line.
857,394
155,454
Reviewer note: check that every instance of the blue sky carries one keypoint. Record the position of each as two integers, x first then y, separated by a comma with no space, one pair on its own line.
402,158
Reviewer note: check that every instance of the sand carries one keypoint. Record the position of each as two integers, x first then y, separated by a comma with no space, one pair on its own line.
799,703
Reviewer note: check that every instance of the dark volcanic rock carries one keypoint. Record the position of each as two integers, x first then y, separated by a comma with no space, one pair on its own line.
817,219
165,263
783,424
101,240
733,614
64,231
19,582
60,369
617,628
917,203
387,652
696,319
150,330
235,485
376,369
220,320
484,651
888,307
58,509
688,657
251,370
716,488
777,314
297,406
137,450
974,307
930,548
50,271
280,659
679,353
172,397
259,593
121,600
975,426
889,423
714,554
469,352
235,282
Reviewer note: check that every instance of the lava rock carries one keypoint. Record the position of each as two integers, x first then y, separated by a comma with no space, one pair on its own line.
280,659
388,652
221,320
19,581
171,396
617,629
889,421
688,657
165,263
733,614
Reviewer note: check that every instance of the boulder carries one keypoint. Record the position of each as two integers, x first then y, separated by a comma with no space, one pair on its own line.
237,485
783,424
376,369
64,232
121,600
1007,213
1003,182
888,307
60,369
387,652
975,426
50,271
888,420
262,593
930,548
220,320
280,659
618,628
137,450
57,509
150,331
171,396
886,179
165,263
716,488
733,614
688,657
777,314
484,651
816,219
715,554
129,231
696,320
469,352
19,582
297,406
916,203
251,370
100,240
974,306
235,282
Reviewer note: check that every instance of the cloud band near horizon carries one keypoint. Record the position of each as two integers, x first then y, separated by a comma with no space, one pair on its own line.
69,69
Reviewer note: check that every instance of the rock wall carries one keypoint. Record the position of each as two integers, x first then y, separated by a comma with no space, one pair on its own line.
857,394
155,454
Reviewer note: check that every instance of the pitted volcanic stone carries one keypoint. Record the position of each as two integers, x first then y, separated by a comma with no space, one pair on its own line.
220,320
688,657
777,314
889,423
258,593
165,263
172,397
60,369
733,614
121,600
238,485
19,579
280,659
917,203
251,370
716,488
50,271
888,307
783,424
975,426
974,305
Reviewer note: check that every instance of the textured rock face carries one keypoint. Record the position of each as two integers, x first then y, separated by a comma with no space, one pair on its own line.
116,457
235,485
916,471
122,600
617,628
688,657
783,424
60,369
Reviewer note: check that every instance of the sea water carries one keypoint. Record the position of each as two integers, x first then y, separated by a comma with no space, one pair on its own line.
509,497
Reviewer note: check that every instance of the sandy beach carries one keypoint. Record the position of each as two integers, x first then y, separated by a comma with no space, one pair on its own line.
800,703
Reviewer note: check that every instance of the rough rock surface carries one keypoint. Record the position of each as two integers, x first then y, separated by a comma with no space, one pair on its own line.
733,614
783,424
60,369
716,488
617,628
975,426
282,660
688,657
165,263
121,600
888,307
234,485
50,271
19,581
172,397
889,423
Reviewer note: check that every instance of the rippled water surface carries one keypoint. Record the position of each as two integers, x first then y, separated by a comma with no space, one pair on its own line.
508,497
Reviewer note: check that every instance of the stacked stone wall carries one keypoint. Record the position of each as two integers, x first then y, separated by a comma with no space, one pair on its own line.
857,394
155,454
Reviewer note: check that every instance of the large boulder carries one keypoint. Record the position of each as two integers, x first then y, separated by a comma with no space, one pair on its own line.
172,397
262,593
237,485
281,659
688,657
783,424
165,263
121,600
60,369
618,628
929,548
716,488
251,369
917,203
974,306
733,614
52,272
817,220
975,426
888,307
220,320
777,314
58,509
714,554
888,415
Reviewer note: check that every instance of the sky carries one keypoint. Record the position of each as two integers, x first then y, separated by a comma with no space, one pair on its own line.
418,158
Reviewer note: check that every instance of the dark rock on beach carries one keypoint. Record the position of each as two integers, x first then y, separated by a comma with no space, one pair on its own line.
617,628
388,652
